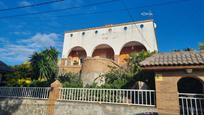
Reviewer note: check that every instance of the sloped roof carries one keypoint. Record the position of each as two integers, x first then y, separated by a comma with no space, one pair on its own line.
182,58
5,68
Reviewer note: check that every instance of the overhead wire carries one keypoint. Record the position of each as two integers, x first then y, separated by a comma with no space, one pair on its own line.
87,5
132,19
59,10
31,5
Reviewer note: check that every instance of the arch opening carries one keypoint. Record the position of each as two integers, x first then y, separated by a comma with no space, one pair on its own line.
103,51
76,56
129,48
190,85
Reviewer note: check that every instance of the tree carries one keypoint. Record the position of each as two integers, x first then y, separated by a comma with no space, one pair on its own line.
201,45
134,60
185,49
44,64
20,77
23,70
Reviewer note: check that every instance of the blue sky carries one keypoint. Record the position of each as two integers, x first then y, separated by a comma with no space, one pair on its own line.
179,24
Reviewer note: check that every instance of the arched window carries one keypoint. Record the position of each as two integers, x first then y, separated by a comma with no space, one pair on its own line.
103,51
190,85
128,48
191,96
76,56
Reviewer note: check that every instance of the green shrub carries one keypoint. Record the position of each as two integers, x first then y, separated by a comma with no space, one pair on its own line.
16,82
70,80
39,83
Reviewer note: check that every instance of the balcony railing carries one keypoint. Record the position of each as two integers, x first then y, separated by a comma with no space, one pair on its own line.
25,92
112,96
191,104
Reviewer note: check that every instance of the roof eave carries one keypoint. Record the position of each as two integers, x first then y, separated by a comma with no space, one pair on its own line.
159,68
112,25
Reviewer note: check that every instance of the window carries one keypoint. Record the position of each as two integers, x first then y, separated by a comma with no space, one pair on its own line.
110,30
125,28
71,35
83,33
141,26
96,32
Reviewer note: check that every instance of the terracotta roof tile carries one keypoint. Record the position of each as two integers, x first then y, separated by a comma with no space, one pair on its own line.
175,59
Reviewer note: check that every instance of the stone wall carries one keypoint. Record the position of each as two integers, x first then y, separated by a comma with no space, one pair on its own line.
79,108
67,69
16,106
92,68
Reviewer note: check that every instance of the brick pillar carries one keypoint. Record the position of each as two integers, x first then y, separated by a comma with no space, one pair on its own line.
53,96
167,101
116,58
62,64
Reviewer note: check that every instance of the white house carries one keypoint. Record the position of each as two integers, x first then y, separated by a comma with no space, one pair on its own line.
114,42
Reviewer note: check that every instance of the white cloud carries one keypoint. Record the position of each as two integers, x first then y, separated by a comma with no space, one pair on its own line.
41,40
21,50
24,3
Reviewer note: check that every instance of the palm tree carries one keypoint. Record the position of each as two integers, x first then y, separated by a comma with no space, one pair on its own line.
44,64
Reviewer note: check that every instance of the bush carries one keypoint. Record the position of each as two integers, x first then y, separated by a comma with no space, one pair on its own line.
70,80
39,83
117,78
16,82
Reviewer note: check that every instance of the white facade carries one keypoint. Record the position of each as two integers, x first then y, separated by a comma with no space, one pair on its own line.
115,36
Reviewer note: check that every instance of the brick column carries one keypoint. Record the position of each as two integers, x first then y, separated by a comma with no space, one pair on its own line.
116,58
53,96
167,101
62,64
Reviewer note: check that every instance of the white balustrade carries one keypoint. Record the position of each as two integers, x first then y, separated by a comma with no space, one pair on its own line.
113,96
191,104
25,92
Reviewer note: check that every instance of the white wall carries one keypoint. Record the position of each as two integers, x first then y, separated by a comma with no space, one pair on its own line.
116,39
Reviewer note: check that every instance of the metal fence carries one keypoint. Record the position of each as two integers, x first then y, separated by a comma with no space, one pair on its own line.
113,96
191,104
25,92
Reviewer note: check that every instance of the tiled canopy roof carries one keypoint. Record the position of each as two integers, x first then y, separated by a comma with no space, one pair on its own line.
182,58
5,68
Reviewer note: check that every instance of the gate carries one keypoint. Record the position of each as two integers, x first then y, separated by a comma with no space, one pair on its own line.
191,104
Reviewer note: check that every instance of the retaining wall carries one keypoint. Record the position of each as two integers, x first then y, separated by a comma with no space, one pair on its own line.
79,108
16,106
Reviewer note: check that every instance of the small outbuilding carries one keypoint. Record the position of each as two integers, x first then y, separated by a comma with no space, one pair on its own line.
179,80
